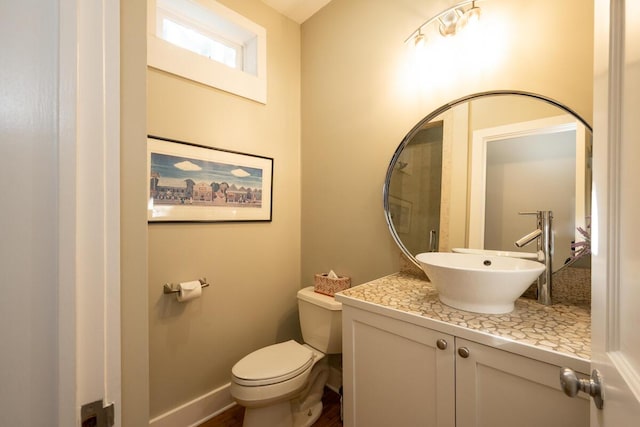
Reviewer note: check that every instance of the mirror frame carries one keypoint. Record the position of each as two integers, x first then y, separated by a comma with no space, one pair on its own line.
437,112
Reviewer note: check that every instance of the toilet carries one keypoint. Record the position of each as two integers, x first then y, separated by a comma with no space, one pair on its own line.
281,385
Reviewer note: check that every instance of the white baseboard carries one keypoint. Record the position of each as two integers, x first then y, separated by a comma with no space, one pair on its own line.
207,406
199,410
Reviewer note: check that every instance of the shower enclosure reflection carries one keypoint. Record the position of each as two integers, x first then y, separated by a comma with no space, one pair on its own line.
415,192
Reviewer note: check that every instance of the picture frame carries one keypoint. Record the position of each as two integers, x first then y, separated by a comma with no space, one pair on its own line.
195,183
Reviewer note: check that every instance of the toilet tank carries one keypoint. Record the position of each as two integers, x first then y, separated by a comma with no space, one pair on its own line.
320,321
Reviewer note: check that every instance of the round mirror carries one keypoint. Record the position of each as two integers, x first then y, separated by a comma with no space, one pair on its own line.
468,175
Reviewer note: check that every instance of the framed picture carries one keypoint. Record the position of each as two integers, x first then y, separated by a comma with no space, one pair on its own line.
189,182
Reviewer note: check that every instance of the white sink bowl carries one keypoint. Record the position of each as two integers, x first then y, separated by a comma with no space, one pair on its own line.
479,283
511,254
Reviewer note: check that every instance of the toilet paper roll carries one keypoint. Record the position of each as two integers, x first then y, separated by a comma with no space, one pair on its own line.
189,290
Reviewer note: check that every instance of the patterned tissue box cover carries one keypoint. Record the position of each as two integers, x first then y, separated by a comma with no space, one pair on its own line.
328,286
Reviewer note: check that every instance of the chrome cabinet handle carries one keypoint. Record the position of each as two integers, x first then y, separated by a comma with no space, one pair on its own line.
571,385
442,344
464,352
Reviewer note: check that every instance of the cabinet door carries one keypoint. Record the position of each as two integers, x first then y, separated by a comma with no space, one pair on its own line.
395,374
495,388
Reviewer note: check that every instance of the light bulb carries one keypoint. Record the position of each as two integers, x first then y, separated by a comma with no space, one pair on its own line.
419,41
449,21
470,17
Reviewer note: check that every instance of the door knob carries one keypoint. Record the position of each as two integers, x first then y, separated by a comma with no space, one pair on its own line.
464,352
571,385
442,344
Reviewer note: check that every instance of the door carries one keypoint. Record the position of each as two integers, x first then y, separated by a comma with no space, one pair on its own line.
28,269
616,253
59,130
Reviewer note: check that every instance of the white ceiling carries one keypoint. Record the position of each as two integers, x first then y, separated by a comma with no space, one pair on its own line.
297,10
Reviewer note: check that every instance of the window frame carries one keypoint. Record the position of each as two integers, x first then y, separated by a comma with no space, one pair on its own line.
219,23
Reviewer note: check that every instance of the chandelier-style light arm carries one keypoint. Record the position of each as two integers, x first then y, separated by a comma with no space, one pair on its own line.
445,27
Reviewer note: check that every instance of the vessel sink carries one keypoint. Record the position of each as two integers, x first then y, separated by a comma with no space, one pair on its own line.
511,254
479,283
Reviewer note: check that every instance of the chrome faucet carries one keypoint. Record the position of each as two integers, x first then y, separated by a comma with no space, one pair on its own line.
525,240
543,234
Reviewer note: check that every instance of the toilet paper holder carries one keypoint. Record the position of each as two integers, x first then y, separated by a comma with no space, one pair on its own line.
171,288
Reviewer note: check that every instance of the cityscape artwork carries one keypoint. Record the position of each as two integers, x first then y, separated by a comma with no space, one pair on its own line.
189,182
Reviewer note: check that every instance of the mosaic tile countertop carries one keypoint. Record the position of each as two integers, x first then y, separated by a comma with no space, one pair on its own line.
558,328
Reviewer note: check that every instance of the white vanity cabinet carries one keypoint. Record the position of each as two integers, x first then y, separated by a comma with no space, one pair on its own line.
398,373
498,388
394,373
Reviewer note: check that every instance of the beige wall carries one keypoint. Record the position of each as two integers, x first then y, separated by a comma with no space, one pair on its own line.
361,95
133,222
253,268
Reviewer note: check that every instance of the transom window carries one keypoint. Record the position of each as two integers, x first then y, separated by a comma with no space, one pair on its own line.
202,42
205,41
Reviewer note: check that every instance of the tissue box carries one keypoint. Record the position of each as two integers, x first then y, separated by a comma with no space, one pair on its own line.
328,286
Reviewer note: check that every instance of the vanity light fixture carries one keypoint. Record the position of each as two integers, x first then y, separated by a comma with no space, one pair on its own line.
419,40
449,21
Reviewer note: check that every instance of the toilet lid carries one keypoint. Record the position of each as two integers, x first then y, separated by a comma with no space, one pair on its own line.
273,364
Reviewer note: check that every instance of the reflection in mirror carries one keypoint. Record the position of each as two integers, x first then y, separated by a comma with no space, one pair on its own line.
415,192
462,175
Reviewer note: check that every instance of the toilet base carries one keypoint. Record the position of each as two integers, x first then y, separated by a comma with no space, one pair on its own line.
276,415
308,417
280,415
302,411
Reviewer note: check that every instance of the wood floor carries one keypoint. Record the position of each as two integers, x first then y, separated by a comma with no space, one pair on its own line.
330,414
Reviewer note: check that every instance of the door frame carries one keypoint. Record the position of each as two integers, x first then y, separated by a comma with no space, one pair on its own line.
482,137
89,207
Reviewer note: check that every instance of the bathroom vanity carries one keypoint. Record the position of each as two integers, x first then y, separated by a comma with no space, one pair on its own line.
409,360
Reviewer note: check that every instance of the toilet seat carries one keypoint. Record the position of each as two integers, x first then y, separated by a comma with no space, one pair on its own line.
273,364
